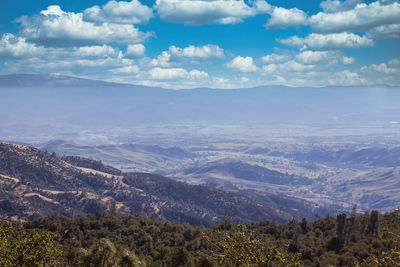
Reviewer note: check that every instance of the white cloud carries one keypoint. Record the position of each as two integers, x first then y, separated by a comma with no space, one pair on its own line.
394,63
291,66
283,18
135,51
162,60
54,27
198,52
176,73
85,60
16,47
196,74
317,41
315,77
133,69
323,57
347,77
315,57
132,12
222,82
382,67
383,73
273,58
244,80
385,32
333,6
347,60
295,66
242,64
279,79
270,68
176,56
363,17
209,11
67,65
94,51
312,68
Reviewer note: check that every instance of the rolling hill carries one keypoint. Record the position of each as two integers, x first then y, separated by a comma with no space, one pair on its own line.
35,183
127,157
237,169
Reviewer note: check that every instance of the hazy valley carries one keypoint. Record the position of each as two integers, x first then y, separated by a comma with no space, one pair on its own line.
332,176
260,142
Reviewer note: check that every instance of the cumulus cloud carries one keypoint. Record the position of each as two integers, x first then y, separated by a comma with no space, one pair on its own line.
284,18
315,57
54,27
317,41
222,82
176,55
383,73
394,63
347,60
97,51
273,58
323,57
385,32
132,69
135,51
13,47
347,77
176,73
242,64
315,77
26,57
16,47
162,60
76,66
382,67
199,12
197,52
363,17
270,68
311,68
295,66
132,12
333,6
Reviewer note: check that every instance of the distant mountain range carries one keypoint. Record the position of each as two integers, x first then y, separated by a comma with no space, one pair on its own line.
61,100
35,183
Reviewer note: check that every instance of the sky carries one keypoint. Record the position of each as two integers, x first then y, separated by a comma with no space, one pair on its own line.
205,43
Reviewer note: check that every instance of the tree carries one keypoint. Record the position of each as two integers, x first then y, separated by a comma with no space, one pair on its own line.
104,253
303,226
341,228
241,248
21,248
373,223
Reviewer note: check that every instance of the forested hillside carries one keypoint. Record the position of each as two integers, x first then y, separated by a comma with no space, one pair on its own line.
109,239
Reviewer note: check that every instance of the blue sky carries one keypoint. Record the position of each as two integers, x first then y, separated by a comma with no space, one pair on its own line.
205,43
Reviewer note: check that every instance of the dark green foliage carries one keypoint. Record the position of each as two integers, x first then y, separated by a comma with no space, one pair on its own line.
240,247
21,248
102,239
